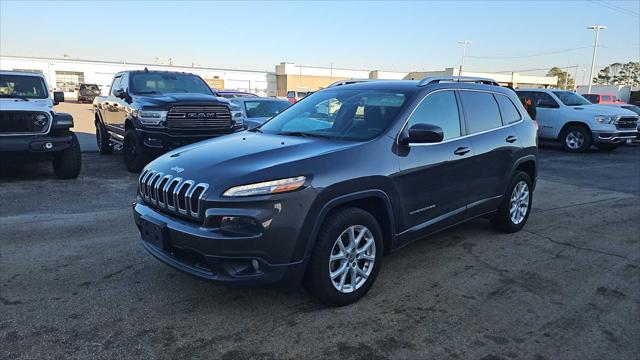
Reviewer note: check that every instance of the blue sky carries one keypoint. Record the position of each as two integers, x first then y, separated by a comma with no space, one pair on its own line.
402,36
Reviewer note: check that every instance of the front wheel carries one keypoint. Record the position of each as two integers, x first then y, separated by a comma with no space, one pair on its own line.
67,163
576,139
516,206
134,157
346,258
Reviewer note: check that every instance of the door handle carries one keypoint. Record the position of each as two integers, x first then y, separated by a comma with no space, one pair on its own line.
511,139
462,150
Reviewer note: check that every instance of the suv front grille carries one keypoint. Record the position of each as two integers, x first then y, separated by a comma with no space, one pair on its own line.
172,194
212,117
24,122
627,123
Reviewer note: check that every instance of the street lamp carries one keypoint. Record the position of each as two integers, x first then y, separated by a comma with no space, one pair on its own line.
464,44
597,28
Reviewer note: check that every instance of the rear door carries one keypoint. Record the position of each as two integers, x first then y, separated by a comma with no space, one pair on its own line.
433,178
495,143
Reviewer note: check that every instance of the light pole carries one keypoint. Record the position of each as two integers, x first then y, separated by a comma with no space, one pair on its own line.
464,44
597,28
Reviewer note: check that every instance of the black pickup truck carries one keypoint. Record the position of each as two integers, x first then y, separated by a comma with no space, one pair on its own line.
148,113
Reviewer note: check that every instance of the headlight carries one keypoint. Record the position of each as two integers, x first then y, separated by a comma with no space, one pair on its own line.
40,121
154,118
606,119
267,187
237,117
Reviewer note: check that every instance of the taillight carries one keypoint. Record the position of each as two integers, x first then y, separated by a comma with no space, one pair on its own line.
535,125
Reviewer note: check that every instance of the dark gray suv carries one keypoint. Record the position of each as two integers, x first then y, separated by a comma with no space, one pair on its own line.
323,190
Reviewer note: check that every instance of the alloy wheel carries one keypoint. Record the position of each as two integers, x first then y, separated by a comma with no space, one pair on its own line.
574,139
352,258
519,202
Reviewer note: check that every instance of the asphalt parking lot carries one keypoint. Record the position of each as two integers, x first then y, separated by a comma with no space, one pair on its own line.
77,283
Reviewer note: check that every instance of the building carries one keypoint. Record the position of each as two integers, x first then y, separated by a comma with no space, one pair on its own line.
513,79
65,74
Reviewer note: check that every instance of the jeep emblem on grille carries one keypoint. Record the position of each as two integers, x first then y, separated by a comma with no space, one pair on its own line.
201,115
177,169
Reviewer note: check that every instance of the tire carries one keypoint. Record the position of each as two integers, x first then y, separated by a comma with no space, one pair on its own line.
67,163
606,147
134,157
576,139
335,230
102,140
504,220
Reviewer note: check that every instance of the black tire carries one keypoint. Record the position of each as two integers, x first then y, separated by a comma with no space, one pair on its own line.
102,140
67,163
317,277
584,140
134,157
503,221
607,147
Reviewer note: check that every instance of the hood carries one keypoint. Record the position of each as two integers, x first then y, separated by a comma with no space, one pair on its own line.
10,104
166,100
596,109
240,158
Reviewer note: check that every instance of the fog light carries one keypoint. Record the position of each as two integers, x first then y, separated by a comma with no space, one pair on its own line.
239,225
255,265
48,146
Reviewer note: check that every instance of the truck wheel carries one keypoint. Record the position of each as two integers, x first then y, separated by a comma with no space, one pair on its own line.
606,147
346,258
102,139
576,139
516,205
134,157
67,163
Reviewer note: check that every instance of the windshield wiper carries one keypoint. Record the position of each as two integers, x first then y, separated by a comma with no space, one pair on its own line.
255,130
304,134
147,92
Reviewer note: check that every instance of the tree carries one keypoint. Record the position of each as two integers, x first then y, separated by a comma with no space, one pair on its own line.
619,74
565,81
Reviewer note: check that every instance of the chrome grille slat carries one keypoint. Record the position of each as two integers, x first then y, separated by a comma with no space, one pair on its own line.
220,117
172,194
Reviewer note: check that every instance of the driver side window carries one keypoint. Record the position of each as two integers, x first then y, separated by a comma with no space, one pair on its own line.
116,84
440,109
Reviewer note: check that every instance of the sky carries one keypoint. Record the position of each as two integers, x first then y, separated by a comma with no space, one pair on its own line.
373,35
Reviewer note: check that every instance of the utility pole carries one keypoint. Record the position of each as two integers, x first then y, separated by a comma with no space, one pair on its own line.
597,28
464,44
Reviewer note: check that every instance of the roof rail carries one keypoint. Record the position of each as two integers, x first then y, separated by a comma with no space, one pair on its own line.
347,82
467,79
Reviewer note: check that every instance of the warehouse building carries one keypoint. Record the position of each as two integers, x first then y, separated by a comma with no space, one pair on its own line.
512,79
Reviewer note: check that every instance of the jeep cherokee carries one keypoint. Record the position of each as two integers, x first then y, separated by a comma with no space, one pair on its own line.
322,190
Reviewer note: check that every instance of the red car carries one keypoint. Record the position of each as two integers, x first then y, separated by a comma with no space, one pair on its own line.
602,99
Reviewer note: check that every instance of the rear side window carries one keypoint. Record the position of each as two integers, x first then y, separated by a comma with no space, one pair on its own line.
481,110
441,109
510,113
606,98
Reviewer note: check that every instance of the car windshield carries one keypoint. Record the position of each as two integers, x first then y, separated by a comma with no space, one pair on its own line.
89,87
571,99
163,83
344,114
23,87
269,108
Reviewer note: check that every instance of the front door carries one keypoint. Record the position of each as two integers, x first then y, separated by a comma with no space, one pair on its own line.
547,112
433,178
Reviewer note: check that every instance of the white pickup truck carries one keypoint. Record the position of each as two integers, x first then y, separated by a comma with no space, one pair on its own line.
575,122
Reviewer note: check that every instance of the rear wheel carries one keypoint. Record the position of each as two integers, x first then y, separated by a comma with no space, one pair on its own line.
346,258
102,139
67,163
516,206
576,139
134,157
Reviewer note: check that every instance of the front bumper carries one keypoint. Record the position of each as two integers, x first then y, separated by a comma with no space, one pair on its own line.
36,144
274,255
614,137
162,141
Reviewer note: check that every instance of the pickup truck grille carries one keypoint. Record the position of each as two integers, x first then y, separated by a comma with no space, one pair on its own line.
24,122
172,194
215,117
627,123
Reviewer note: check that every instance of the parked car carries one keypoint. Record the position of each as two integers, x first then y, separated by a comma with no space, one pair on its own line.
601,99
295,96
575,122
257,110
635,109
150,112
318,196
232,94
30,129
87,92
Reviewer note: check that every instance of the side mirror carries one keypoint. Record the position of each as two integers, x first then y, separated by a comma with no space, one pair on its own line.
58,97
119,93
424,133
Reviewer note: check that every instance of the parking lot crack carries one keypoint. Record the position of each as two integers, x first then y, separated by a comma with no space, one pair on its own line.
579,204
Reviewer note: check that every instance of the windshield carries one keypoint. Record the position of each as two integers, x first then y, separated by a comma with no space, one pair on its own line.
22,86
339,114
571,99
161,83
89,87
260,109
